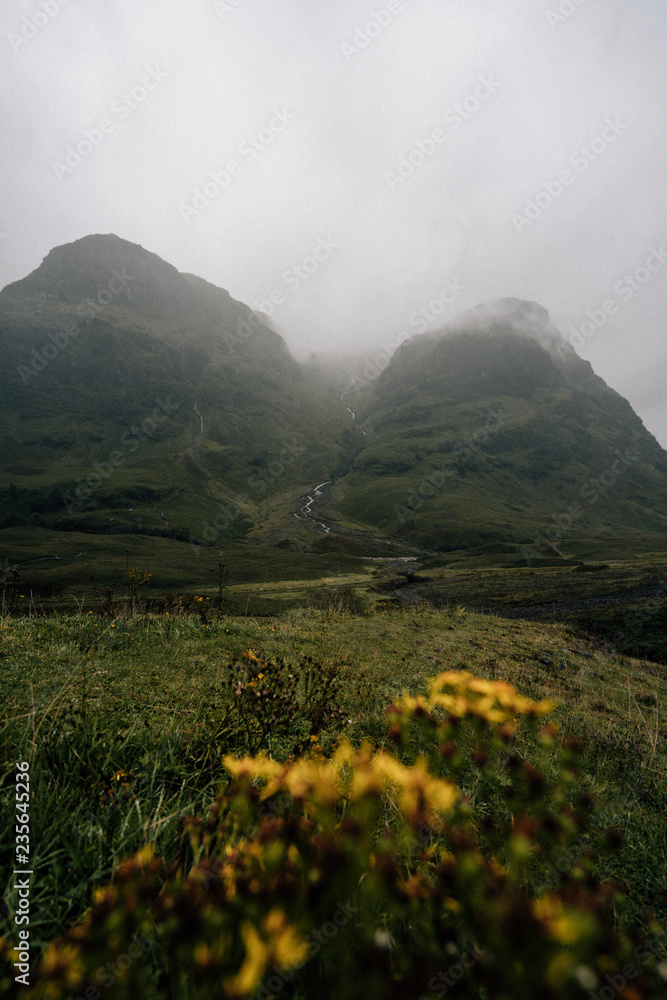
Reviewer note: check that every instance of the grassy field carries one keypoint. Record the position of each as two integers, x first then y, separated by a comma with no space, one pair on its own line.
66,570
125,721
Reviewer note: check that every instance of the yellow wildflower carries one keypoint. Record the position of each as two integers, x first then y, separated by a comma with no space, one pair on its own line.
254,965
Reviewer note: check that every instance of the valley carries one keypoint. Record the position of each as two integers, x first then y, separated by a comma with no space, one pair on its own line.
216,560
333,501
441,483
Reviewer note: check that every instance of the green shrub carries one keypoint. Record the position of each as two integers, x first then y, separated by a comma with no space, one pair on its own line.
370,874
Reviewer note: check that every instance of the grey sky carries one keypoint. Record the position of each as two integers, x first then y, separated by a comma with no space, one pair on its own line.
336,126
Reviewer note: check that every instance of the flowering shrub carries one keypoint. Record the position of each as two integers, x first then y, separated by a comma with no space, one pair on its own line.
273,700
136,578
191,604
374,874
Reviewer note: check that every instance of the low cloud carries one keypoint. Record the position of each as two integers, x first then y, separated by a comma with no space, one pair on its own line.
545,184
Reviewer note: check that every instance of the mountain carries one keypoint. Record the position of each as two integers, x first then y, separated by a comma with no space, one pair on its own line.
137,398
493,433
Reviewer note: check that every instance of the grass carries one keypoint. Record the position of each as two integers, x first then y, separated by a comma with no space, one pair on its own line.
460,433
619,602
125,722
59,566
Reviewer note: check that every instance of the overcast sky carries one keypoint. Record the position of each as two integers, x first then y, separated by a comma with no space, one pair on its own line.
375,167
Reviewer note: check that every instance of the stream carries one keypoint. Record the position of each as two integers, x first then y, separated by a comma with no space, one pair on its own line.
195,436
201,419
351,411
303,514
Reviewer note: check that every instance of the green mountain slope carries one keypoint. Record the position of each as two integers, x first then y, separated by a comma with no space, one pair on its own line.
494,432
137,399
134,397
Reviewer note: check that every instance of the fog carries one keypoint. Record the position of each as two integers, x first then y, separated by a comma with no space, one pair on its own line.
360,171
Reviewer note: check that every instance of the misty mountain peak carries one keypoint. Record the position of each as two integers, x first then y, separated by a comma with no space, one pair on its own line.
80,269
516,316
115,272
508,346
496,409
